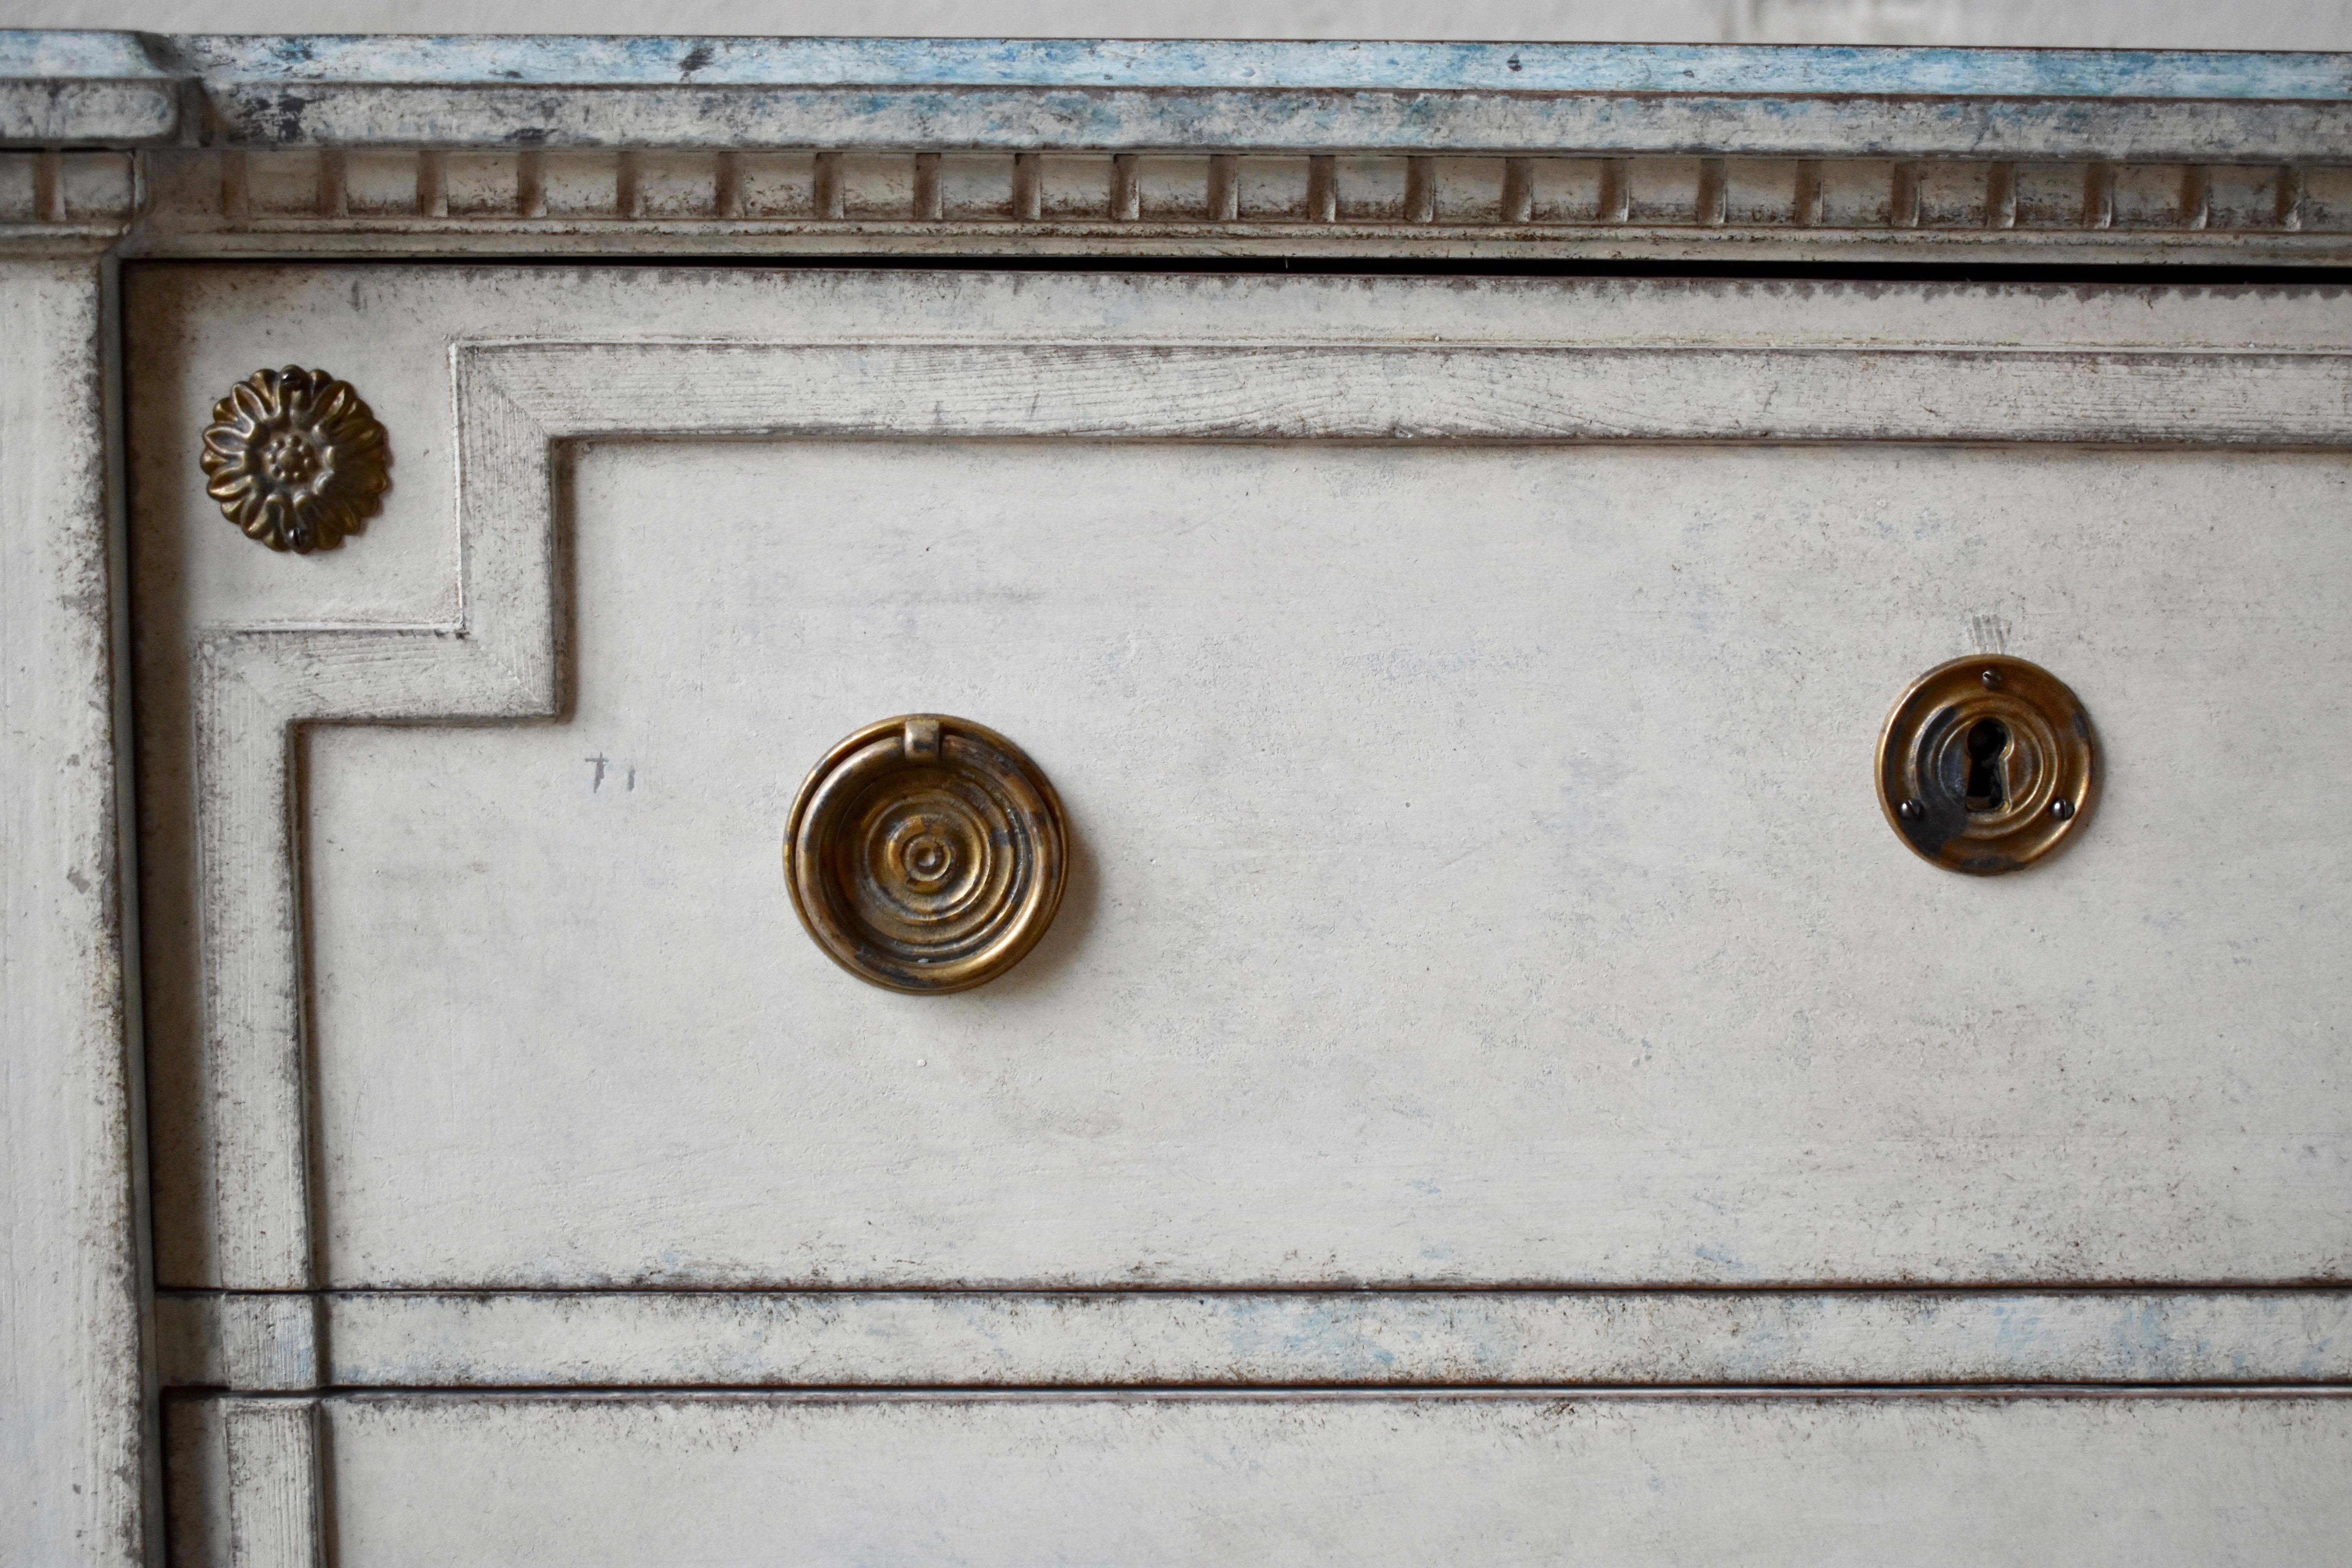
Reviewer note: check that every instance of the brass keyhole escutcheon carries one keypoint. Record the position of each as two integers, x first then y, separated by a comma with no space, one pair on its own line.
1986,764
925,854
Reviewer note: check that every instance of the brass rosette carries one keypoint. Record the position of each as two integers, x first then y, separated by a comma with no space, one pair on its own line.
925,854
295,459
1986,764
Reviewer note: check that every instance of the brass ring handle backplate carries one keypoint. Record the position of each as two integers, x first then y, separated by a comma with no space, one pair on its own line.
1986,764
925,854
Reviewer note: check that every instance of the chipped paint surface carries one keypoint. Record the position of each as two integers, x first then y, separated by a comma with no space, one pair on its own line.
86,88
1748,70
571,146
959,93
72,1448
927,117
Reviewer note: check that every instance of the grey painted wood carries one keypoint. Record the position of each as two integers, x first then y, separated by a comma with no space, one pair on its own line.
85,89
961,94
257,1344
74,1461
274,146
1016,1338
271,1464
1837,1480
1777,1070
1530,68
1788,1147
567,201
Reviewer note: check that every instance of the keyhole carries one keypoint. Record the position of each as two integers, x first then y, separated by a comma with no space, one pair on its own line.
1988,740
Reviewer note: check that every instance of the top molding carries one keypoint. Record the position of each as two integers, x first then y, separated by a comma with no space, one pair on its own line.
85,90
128,89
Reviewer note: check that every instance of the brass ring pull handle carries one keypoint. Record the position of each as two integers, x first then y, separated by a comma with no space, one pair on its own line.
925,854
1986,764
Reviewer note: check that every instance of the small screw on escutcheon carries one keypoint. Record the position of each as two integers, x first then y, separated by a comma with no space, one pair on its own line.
2062,808
1992,679
1910,811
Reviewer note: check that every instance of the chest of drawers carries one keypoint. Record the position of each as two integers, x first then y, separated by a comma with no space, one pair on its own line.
1426,1011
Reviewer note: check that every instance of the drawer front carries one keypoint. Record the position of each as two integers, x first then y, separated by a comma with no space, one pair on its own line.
1484,959
1465,715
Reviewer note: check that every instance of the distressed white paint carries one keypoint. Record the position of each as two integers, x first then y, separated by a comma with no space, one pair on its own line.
752,1338
85,88
1434,97
264,1342
270,1454
1425,98
813,145
2060,24
260,200
73,1459
1646,992
585,1482
1250,564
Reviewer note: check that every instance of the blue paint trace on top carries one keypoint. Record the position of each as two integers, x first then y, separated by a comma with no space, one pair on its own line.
76,56
1675,70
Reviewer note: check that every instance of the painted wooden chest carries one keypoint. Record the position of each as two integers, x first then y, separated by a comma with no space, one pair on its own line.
807,802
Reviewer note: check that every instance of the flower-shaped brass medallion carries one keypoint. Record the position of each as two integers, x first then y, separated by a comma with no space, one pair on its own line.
295,459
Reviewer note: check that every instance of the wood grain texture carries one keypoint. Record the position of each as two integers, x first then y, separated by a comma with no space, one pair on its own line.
590,1481
272,1450
195,1480
265,1343
72,1453
1530,394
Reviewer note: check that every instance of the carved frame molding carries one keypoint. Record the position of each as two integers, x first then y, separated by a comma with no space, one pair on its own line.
325,146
